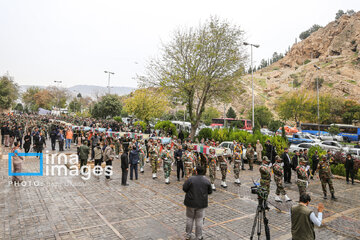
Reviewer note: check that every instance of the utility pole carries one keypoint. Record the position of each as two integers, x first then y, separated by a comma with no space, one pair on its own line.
109,79
318,101
252,82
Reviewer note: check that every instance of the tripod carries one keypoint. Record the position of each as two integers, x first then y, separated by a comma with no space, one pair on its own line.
260,215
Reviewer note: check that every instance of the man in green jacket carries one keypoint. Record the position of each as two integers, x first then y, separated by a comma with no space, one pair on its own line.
303,219
83,154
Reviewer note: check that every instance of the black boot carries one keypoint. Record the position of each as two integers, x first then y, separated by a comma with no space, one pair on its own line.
333,196
266,206
325,197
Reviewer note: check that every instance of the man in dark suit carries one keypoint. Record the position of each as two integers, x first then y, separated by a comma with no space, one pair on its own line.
125,164
287,165
53,136
39,143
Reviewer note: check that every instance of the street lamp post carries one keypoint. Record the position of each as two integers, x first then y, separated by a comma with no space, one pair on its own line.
109,79
252,82
57,100
318,101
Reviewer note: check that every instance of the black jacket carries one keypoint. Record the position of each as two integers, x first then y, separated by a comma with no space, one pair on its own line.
178,153
124,161
134,157
197,189
286,160
295,162
349,164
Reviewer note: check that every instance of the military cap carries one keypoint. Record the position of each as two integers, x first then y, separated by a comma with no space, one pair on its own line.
266,159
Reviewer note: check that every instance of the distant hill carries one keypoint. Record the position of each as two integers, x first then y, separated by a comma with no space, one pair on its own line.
89,90
334,48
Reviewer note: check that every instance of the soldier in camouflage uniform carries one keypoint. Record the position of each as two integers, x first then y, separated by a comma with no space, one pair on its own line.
302,181
237,163
153,153
325,177
223,167
278,178
250,156
265,175
168,158
212,167
189,161
143,154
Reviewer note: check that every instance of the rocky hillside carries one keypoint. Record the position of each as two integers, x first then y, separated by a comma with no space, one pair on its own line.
334,48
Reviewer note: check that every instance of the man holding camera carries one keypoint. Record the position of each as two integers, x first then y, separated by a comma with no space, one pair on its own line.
303,219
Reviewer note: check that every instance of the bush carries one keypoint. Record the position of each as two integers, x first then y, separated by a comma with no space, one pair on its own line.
274,125
307,61
338,169
312,150
167,127
142,124
205,133
118,119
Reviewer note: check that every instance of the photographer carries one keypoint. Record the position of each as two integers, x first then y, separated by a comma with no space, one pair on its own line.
197,189
303,219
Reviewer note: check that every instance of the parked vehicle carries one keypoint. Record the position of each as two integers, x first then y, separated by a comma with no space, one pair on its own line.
333,146
298,147
312,137
265,131
329,137
298,138
355,152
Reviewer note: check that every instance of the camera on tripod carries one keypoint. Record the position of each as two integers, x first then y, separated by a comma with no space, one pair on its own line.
260,191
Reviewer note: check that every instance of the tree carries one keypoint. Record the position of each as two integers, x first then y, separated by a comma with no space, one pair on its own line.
19,107
108,106
209,114
351,111
199,66
293,106
231,113
8,92
146,104
308,32
274,125
263,116
75,105
334,130
29,100
43,99
339,14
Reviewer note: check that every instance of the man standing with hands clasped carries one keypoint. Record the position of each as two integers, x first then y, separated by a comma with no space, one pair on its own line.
197,189
303,219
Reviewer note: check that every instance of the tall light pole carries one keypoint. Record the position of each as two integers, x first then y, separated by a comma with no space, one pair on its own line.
318,101
252,82
109,79
57,101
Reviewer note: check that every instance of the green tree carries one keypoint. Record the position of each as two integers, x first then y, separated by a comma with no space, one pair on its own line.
108,106
166,126
19,107
75,105
334,130
199,66
274,125
117,119
263,116
293,106
231,113
8,92
209,114
146,104
351,111
308,32
339,14
29,100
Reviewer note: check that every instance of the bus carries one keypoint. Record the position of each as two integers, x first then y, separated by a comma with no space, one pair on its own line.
350,133
220,122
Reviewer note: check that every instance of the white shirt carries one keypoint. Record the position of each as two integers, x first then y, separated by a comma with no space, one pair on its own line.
315,220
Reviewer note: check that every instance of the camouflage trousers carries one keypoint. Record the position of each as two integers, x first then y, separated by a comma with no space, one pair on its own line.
237,169
188,170
325,181
167,169
302,187
223,168
212,172
279,185
250,158
266,185
154,164
142,160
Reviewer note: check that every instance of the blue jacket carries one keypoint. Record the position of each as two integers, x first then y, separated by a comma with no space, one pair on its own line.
134,157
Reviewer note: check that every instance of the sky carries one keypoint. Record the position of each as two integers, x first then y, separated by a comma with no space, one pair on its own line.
75,41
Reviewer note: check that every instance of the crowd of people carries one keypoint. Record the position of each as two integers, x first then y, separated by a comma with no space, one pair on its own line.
26,131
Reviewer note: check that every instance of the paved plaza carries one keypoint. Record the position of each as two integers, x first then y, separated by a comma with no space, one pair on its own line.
67,207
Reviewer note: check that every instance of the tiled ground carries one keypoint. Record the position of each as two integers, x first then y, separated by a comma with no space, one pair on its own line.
68,207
